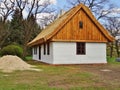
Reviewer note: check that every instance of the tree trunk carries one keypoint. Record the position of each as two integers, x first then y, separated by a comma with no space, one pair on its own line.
117,48
24,50
111,50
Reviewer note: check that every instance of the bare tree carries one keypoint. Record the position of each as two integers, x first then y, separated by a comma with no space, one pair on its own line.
4,32
29,28
100,8
113,26
6,8
30,7
33,8
21,4
46,20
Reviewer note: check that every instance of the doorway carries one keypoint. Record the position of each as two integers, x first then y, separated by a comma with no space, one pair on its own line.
39,52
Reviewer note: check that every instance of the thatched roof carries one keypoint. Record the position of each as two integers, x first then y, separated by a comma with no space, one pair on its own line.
54,27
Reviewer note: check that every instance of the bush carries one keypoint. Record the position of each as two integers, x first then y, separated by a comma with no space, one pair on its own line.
12,50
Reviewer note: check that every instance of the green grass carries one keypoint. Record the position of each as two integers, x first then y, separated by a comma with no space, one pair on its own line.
90,88
28,58
112,60
28,80
73,77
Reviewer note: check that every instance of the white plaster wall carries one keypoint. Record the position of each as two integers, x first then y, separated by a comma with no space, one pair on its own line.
44,58
47,58
65,53
35,56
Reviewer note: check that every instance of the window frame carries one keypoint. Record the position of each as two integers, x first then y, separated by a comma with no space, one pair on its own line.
81,48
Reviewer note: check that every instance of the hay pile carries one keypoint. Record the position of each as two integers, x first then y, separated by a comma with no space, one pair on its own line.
11,63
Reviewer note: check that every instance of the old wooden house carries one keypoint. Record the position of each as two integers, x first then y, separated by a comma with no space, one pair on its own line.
74,38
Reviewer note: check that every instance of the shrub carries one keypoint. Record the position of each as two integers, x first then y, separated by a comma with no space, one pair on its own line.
12,50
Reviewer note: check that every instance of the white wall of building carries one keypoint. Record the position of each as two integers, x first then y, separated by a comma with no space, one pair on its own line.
65,53
44,58
47,58
35,56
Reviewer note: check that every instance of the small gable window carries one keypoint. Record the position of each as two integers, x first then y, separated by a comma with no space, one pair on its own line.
80,24
80,48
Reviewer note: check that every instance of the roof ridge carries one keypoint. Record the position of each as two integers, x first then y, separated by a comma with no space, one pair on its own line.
55,27
70,15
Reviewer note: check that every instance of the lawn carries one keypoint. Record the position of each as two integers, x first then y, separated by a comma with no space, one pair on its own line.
70,77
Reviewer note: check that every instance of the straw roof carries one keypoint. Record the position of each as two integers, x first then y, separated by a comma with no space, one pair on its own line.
54,27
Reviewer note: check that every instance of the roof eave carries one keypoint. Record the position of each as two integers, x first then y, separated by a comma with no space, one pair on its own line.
37,42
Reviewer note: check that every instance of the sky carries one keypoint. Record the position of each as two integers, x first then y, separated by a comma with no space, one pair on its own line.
62,3
116,2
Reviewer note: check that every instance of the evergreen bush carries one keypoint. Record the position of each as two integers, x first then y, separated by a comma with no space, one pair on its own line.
12,50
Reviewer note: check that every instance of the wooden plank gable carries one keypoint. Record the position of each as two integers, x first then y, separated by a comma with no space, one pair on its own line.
71,31
66,28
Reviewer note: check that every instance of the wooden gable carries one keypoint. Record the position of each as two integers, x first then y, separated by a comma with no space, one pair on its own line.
72,32
66,28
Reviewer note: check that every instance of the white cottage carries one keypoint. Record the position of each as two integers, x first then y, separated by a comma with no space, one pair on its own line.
74,38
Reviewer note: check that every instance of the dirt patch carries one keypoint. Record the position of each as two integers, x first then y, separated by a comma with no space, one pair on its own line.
107,74
105,70
11,63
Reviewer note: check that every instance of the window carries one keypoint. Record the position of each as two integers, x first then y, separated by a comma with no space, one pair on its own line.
80,48
35,50
44,48
80,24
48,48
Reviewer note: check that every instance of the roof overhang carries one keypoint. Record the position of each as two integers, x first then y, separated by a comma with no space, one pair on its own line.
37,42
